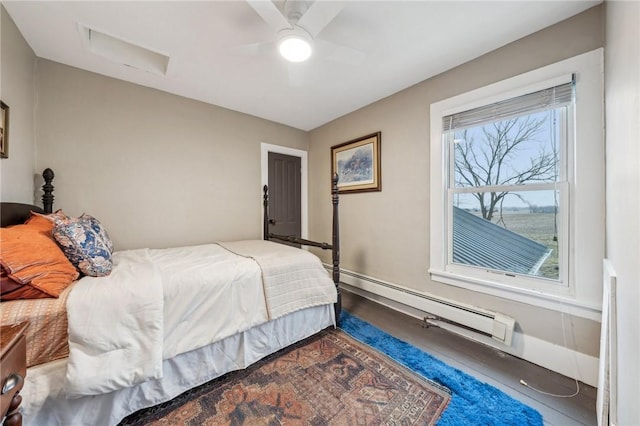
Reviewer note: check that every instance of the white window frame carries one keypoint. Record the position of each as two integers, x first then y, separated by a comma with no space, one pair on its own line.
581,292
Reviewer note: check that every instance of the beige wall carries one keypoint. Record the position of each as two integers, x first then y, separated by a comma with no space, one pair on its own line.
157,169
622,88
385,234
17,90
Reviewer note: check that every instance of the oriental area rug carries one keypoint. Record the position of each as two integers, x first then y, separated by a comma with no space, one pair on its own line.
328,379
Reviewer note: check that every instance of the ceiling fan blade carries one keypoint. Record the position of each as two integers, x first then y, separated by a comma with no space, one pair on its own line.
253,49
270,13
340,53
319,14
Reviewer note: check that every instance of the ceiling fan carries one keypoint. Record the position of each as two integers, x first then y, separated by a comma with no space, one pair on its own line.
297,27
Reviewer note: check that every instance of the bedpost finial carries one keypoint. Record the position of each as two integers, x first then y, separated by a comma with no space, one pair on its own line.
48,175
47,188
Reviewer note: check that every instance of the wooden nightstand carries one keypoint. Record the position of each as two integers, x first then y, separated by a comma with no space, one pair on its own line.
13,369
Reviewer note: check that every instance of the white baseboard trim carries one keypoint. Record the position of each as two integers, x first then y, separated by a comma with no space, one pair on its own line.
557,358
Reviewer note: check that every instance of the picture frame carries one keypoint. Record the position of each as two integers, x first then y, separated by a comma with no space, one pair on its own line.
357,163
4,130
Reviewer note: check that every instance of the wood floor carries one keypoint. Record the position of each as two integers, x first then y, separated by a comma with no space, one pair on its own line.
487,364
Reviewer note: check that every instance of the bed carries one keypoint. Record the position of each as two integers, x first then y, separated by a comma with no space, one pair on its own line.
151,328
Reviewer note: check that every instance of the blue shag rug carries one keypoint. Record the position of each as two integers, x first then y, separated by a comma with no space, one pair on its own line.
472,402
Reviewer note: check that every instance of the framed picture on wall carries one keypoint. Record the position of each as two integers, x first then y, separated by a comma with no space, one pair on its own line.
4,130
357,164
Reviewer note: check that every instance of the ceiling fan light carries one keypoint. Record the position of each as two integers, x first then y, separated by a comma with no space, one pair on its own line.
295,46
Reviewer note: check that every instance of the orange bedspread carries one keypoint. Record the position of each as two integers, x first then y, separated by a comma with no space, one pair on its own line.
47,338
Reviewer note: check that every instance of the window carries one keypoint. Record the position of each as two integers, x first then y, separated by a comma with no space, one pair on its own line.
506,184
507,212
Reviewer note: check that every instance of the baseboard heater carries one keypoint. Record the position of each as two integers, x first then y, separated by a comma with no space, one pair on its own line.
498,326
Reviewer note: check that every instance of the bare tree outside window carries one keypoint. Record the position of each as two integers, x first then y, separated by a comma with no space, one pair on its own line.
504,153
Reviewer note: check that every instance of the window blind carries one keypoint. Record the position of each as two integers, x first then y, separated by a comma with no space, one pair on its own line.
541,100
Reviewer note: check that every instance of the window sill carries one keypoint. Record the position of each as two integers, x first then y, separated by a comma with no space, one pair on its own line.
559,303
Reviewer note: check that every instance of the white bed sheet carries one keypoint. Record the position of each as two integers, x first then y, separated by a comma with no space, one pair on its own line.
44,402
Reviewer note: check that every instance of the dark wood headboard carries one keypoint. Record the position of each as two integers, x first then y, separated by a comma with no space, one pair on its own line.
17,213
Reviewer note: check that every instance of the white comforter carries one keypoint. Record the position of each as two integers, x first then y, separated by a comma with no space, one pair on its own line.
157,304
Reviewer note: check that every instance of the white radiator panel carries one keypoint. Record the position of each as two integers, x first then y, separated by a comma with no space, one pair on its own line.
606,402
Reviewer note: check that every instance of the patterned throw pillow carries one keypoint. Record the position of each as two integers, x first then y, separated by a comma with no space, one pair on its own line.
86,244
99,229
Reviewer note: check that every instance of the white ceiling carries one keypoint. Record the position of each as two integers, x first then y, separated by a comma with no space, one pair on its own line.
218,53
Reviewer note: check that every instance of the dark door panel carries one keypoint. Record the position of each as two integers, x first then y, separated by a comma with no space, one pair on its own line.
284,194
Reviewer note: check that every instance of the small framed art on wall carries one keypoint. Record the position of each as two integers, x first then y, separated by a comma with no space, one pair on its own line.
357,163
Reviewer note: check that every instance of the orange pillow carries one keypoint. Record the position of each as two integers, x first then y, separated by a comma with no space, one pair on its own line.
40,223
32,258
